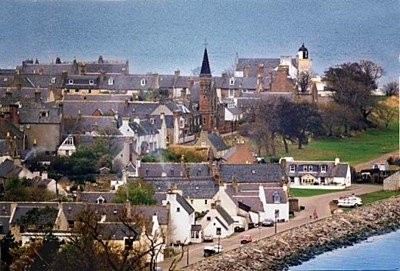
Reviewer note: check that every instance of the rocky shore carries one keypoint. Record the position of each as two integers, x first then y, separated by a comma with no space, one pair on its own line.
300,244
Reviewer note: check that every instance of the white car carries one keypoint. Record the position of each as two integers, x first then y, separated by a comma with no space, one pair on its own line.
349,201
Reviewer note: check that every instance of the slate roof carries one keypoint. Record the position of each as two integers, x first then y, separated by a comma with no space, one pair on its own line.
4,222
143,128
199,188
117,231
112,212
269,194
196,228
252,64
149,210
217,142
225,215
81,81
188,208
248,173
23,208
157,170
340,170
32,113
6,168
92,197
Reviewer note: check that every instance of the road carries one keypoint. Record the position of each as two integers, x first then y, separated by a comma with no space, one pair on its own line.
383,158
318,203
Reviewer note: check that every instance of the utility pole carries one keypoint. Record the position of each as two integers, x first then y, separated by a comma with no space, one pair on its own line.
187,259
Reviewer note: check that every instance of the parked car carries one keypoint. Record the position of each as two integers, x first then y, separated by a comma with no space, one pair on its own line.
349,201
246,239
268,222
211,250
252,225
239,229
207,238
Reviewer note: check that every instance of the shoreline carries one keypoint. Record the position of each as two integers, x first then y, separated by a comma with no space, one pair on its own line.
297,245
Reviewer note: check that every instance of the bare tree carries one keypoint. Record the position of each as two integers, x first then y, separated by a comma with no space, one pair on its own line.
391,88
303,81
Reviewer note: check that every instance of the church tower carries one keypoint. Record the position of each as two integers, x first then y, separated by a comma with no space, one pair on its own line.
208,97
303,62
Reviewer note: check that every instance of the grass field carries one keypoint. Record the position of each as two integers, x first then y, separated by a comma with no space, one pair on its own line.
296,192
378,195
360,148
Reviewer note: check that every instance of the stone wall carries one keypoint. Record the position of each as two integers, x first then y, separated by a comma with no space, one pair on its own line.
299,244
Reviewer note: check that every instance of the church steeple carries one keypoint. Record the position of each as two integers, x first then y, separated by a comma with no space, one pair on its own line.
205,66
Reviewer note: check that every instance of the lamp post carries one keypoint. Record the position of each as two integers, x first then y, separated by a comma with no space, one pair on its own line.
276,220
187,259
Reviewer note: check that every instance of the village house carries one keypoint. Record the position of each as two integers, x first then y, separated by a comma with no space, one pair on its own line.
317,174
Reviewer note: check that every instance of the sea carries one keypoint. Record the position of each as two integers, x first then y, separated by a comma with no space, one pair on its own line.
377,253
166,35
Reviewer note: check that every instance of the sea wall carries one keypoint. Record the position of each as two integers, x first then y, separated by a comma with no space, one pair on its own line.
300,244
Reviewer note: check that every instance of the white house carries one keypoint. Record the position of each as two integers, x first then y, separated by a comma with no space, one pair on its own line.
182,217
317,174
217,223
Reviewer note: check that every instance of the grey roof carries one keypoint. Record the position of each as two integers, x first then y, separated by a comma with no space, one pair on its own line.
82,81
143,128
22,209
198,188
39,113
117,231
157,170
225,215
149,210
6,168
112,212
252,64
5,224
222,223
235,110
188,208
332,170
245,83
92,197
248,173
270,192
217,142
196,228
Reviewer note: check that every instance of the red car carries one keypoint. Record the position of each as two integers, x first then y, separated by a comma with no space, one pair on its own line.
246,239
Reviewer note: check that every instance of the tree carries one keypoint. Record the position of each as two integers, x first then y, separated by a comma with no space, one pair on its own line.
303,81
137,192
385,114
391,88
352,84
21,190
7,245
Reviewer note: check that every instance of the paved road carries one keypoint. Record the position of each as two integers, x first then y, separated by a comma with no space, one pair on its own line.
318,203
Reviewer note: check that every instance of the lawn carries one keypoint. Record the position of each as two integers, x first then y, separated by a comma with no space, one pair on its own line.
361,148
296,192
378,195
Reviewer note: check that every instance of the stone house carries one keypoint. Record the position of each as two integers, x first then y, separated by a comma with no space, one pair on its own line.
214,141
392,183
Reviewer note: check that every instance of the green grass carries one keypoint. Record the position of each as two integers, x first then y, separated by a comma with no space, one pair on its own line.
297,192
360,148
378,195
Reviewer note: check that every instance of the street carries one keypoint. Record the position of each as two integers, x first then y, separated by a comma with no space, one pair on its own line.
318,204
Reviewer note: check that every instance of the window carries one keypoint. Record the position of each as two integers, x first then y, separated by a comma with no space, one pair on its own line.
53,80
143,82
292,179
205,201
218,231
91,82
208,218
232,81
231,93
178,209
304,168
310,168
277,197
292,168
70,82
323,168
111,81
191,201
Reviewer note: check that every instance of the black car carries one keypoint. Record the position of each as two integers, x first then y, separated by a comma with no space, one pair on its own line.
239,229
267,223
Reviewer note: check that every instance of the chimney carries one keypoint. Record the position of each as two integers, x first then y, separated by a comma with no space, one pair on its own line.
246,71
337,161
177,72
64,76
260,70
82,70
102,76
270,79
45,175
60,108
138,165
37,95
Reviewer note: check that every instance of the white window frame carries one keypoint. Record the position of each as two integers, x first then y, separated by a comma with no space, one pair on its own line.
292,168
143,82
70,82
91,82
232,81
304,168
110,81
310,168
323,168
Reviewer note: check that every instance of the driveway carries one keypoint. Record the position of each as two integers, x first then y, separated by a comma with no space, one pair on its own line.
320,204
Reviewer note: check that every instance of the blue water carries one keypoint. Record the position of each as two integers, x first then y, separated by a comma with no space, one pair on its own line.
376,253
164,35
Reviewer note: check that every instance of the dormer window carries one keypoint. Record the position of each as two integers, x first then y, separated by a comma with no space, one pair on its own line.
70,82
143,82
100,200
232,81
310,168
253,171
292,168
53,80
304,168
323,168
277,197
111,81
91,82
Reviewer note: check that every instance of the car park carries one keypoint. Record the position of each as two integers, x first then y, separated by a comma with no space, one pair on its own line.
267,222
246,239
